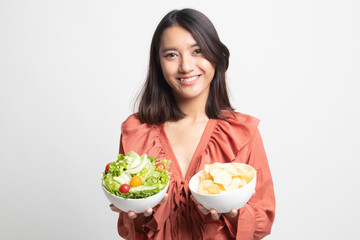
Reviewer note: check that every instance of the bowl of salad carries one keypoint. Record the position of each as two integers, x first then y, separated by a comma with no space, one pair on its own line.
135,183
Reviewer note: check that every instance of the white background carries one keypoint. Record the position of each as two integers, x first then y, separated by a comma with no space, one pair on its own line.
71,69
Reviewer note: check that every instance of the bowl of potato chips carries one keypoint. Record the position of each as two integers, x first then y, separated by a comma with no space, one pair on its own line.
223,186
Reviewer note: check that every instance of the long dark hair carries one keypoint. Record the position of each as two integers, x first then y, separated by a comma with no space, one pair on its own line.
157,104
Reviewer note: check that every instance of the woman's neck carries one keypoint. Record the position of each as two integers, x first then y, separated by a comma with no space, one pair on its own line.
194,109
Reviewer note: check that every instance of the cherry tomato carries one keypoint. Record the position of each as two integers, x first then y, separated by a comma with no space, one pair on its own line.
160,165
124,188
107,167
135,181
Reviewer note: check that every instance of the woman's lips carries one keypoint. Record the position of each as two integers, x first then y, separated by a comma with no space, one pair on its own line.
189,80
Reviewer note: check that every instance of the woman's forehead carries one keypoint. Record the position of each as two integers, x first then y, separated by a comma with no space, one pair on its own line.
176,37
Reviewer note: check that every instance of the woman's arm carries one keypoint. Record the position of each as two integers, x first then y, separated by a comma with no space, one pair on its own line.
257,216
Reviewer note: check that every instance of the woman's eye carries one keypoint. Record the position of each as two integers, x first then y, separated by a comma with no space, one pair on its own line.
170,55
197,51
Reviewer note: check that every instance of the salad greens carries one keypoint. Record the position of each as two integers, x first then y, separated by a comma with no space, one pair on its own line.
154,179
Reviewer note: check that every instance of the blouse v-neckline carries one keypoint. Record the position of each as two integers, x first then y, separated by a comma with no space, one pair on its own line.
198,151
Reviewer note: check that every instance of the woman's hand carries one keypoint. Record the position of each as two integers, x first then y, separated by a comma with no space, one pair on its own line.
214,214
133,215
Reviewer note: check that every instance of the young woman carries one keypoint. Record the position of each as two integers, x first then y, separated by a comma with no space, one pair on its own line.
185,116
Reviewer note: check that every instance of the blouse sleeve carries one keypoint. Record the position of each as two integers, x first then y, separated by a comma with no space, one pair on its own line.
257,216
126,226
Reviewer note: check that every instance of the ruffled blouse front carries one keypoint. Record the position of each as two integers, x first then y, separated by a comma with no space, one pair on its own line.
233,139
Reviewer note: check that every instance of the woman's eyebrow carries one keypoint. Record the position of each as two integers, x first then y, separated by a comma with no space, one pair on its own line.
168,49
174,49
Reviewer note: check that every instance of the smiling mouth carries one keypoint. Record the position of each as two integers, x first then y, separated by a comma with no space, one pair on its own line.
189,79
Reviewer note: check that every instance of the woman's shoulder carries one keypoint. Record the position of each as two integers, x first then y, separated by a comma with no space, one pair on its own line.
240,120
137,136
131,121
237,129
133,124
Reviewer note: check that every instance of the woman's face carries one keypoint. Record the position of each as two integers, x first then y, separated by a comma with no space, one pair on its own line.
184,67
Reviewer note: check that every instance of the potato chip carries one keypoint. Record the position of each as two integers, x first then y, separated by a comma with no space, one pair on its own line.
245,172
222,177
236,183
239,182
218,178
204,175
214,189
214,171
231,169
209,187
209,167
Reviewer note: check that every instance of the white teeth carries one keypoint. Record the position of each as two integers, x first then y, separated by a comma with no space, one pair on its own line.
188,79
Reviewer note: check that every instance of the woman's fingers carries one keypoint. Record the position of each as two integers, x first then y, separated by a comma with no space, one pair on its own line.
148,212
113,208
233,213
201,208
132,215
214,214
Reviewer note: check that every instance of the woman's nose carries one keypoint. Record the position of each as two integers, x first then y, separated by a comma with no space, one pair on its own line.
186,65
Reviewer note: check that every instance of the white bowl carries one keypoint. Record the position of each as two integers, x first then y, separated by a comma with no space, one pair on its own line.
223,202
138,205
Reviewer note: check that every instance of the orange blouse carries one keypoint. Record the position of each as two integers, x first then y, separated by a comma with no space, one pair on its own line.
237,139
